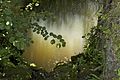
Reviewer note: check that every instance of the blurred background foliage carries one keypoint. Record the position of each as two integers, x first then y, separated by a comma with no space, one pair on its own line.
101,50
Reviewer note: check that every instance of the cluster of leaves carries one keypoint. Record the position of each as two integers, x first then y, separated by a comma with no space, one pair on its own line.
42,31
15,25
36,16
13,40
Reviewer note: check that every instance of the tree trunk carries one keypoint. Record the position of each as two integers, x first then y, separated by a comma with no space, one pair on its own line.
110,60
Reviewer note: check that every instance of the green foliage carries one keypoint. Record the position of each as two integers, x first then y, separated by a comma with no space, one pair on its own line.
16,21
57,39
65,71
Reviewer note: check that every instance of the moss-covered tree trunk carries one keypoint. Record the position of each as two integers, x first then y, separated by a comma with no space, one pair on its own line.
110,59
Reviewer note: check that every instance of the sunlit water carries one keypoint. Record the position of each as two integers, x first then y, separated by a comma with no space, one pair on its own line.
45,55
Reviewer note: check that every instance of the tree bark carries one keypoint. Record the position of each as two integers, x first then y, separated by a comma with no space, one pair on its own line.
110,60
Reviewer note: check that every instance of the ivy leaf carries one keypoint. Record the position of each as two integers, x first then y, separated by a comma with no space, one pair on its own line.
2,26
46,37
51,33
61,40
58,45
63,44
11,39
44,28
7,11
52,41
59,37
20,45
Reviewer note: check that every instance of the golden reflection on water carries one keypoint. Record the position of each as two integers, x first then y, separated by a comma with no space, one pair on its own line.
45,55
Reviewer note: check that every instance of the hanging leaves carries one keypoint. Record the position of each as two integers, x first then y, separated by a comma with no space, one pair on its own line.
43,31
52,41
